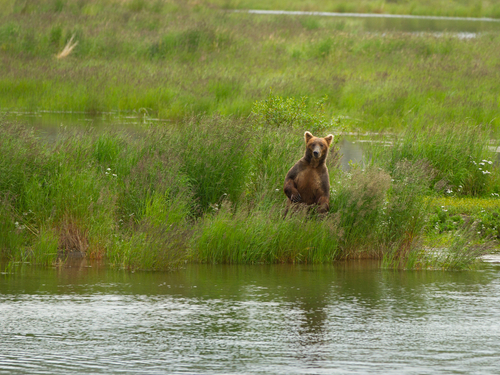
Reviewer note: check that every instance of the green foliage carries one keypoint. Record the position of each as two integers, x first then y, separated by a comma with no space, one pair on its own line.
276,111
136,199
107,149
461,253
139,54
310,23
406,208
463,8
187,42
55,36
358,198
405,215
453,214
263,236
12,234
58,5
158,242
208,189
441,221
44,249
213,156
457,154
81,191
323,48
273,153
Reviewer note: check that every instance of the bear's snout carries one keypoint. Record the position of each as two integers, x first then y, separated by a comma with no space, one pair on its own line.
316,151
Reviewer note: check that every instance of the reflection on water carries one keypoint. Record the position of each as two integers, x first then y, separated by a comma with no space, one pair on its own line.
404,23
345,318
52,125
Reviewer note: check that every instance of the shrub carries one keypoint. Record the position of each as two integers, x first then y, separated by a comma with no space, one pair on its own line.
276,111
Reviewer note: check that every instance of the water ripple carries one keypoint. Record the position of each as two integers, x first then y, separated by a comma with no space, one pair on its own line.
324,322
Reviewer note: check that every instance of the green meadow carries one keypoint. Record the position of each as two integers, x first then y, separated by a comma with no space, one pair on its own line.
460,8
175,59
236,92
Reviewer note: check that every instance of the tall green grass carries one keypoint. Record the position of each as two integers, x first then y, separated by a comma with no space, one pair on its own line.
458,155
208,189
464,8
241,89
176,59
262,235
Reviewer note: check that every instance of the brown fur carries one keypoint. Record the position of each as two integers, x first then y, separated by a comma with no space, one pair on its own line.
307,181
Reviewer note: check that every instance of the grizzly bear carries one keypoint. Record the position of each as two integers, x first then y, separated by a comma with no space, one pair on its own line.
307,181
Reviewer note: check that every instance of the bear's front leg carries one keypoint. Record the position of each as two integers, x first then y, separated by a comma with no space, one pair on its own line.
323,204
291,191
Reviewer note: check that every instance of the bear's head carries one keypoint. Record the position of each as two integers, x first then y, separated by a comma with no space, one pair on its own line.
317,148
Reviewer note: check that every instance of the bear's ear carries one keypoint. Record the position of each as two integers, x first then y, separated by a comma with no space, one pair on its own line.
329,139
308,136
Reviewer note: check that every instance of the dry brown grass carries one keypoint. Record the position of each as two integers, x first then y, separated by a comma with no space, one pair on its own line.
68,48
73,239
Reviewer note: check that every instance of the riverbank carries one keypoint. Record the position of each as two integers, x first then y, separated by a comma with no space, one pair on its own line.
209,190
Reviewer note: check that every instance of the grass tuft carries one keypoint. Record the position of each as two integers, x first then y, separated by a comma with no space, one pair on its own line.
68,48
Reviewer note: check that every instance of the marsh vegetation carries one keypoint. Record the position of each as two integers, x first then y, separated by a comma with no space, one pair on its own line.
175,58
238,91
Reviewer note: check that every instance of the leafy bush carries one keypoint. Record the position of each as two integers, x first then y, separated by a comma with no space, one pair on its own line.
276,111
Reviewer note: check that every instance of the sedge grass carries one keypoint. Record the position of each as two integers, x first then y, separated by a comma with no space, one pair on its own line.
180,59
193,192
209,187
464,8
263,236
458,155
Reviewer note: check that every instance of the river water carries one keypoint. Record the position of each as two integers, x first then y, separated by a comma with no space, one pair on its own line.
345,318
463,27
